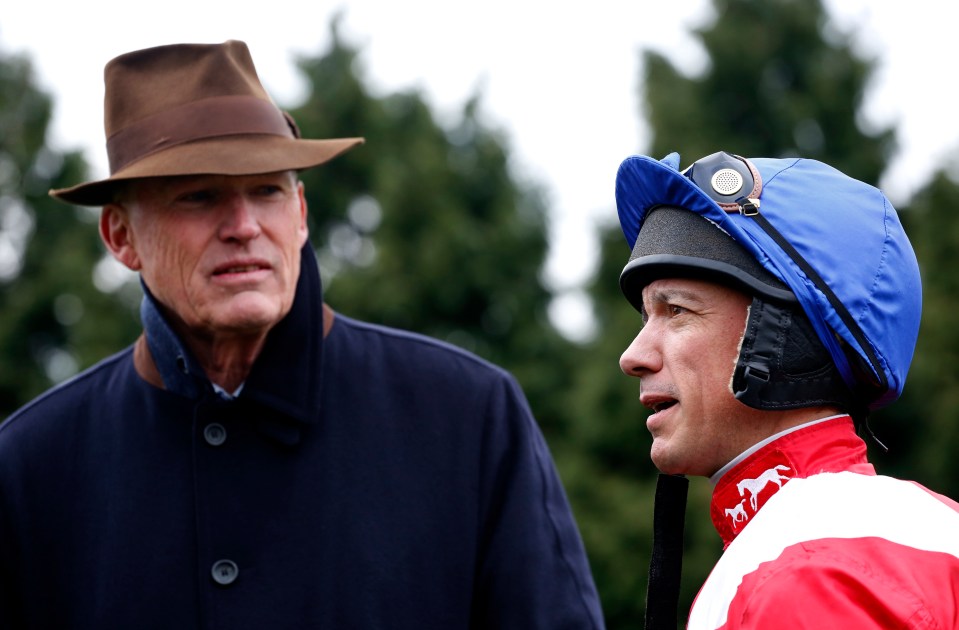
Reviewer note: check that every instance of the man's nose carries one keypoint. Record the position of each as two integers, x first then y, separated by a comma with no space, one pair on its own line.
641,356
240,221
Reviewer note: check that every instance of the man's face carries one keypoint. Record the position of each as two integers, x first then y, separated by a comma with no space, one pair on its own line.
684,357
221,253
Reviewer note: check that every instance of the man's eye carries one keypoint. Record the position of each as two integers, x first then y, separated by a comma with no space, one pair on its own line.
269,190
196,196
676,310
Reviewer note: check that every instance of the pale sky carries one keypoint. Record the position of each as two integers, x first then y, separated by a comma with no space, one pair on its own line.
559,78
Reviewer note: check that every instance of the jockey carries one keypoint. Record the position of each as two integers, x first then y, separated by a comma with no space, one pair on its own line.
780,302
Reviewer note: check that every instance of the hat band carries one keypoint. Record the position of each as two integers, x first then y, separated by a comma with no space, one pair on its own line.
207,118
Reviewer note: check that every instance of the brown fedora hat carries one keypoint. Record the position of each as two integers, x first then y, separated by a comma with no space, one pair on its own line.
192,109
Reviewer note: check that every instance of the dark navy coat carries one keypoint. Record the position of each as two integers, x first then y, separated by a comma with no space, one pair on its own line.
371,479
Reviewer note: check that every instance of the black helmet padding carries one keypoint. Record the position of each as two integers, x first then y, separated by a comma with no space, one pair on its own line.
677,243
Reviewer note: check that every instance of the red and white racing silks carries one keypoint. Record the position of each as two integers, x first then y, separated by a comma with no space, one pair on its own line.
815,539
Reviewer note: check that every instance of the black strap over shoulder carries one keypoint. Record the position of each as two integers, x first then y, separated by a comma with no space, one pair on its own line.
666,562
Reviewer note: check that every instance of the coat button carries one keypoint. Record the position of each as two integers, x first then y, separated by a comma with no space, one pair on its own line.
214,434
224,572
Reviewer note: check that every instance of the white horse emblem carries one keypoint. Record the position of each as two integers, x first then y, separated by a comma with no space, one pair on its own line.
755,486
737,513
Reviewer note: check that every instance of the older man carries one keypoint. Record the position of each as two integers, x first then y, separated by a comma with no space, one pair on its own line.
255,460
780,302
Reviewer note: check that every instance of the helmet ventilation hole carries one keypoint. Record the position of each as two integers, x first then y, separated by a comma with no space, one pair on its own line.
727,182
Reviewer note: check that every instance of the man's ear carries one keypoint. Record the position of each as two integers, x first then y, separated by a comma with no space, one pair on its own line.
117,235
304,226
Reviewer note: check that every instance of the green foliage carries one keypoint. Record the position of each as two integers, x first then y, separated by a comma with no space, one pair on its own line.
53,320
922,429
776,86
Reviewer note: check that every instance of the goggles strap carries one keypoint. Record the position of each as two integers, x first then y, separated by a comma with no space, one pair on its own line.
842,361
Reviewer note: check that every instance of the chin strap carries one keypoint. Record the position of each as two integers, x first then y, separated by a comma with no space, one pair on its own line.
666,562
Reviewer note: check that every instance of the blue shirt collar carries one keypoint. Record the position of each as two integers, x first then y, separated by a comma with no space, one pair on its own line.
180,371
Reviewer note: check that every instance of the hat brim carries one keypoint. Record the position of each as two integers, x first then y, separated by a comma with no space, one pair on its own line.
237,155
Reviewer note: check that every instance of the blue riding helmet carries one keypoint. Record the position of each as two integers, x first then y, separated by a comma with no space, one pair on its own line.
833,242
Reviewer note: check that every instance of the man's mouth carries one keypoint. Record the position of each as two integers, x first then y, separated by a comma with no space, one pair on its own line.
237,269
240,267
657,402
662,406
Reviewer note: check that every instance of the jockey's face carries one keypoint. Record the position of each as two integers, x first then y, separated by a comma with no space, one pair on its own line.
684,357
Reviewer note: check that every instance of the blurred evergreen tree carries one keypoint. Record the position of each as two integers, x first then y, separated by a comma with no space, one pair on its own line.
922,429
53,320
426,227
780,81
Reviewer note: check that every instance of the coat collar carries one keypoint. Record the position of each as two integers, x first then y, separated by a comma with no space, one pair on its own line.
825,446
285,377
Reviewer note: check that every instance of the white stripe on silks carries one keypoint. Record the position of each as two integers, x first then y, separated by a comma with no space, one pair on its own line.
827,505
